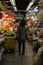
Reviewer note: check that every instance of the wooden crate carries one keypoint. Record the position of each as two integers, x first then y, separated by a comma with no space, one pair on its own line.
9,43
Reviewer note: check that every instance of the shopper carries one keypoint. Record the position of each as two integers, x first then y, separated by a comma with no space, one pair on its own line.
21,34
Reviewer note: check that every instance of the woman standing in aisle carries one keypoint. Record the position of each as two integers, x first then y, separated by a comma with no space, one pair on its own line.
21,34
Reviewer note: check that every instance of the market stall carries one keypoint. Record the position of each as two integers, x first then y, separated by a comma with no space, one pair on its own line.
7,27
38,59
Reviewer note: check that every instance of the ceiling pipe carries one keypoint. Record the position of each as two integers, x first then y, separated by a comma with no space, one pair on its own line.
13,4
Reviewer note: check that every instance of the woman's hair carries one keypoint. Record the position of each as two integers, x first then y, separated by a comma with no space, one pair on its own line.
23,23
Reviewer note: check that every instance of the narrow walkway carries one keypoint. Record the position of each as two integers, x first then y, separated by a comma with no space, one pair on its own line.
15,59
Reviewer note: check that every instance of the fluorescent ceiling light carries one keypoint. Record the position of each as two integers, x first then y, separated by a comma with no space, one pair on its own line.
15,8
29,6
31,3
13,4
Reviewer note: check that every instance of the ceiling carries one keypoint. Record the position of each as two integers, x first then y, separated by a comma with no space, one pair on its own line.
20,4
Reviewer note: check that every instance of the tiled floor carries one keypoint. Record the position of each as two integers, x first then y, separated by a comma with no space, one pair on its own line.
15,59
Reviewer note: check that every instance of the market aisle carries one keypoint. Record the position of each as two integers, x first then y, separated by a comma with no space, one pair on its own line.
15,59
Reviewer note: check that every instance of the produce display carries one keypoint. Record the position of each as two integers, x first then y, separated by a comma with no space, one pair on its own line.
8,29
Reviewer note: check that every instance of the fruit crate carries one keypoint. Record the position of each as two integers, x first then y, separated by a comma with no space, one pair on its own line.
9,43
